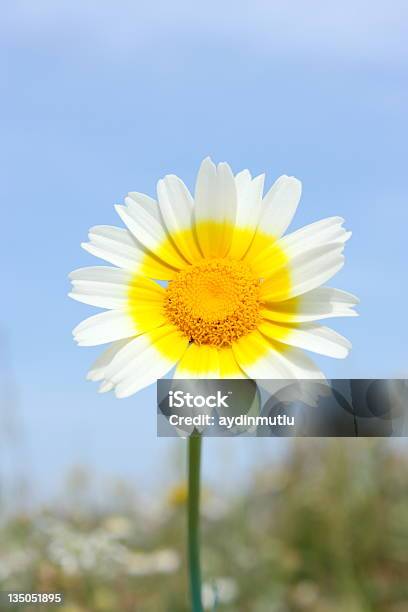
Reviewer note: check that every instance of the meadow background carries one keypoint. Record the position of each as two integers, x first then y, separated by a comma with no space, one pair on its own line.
101,98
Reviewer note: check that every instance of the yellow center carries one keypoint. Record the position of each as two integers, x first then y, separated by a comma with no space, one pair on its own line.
214,302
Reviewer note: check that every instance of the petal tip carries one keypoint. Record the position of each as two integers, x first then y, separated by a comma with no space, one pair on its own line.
85,246
105,386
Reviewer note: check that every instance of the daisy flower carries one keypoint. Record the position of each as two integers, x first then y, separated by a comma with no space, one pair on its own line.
209,284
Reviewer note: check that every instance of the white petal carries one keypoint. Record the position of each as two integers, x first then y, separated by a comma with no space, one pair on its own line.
144,201
261,358
176,206
318,233
215,208
249,207
120,248
243,180
145,359
150,232
263,256
301,365
307,271
310,337
101,286
105,386
99,295
315,268
143,226
101,274
98,368
320,303
249,199
115,245
279,205
104,327
257,358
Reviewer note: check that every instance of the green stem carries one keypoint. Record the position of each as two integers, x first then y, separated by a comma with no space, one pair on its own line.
194,460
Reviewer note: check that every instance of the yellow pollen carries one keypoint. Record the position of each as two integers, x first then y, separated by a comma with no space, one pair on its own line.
214,302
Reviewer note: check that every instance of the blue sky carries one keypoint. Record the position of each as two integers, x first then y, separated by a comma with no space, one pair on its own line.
102,98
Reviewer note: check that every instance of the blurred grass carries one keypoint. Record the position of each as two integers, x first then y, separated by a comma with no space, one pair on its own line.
323,530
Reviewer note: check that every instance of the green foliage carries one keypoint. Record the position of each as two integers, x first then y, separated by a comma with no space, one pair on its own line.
323,530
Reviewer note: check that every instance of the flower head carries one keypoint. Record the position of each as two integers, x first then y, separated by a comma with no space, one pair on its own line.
210,285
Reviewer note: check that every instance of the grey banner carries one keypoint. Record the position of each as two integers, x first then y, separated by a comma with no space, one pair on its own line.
283,408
